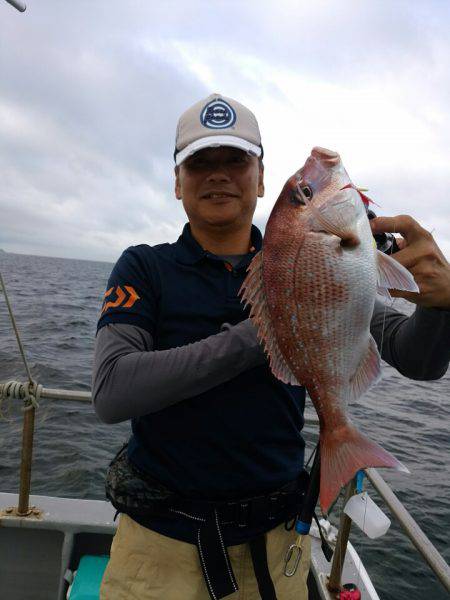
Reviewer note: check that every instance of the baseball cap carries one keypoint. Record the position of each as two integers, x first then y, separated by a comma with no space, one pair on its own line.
217,121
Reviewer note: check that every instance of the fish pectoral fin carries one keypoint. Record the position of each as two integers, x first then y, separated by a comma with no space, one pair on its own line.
367,373
393,275
252,292
384,292
337,216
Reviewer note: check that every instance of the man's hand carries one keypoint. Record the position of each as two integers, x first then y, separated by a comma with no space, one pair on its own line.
420,254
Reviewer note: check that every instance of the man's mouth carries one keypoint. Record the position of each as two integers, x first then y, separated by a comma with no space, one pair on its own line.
218,194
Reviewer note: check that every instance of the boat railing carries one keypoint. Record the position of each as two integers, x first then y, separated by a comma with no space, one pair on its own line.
32,394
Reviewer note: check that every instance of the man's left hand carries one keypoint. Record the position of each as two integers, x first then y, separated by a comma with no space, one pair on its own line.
420,254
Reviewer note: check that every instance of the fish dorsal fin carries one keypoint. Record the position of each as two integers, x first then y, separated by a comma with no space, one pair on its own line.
252,292
367,373
393,275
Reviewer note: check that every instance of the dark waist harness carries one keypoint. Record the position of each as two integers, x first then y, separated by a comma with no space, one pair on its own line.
136,494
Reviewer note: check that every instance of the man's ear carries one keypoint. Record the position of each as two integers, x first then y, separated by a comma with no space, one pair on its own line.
261,182
177,183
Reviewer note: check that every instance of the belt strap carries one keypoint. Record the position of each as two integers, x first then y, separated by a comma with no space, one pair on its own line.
259,557
214,559
216,565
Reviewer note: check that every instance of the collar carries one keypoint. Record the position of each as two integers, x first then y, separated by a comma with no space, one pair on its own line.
189,252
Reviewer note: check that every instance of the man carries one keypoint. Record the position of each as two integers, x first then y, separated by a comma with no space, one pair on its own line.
216,438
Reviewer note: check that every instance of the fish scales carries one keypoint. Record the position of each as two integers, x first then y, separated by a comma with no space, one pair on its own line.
312,290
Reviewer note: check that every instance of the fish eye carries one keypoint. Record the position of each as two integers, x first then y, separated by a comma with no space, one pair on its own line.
307,191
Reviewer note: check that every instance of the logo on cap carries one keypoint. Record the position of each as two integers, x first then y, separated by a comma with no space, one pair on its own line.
218,114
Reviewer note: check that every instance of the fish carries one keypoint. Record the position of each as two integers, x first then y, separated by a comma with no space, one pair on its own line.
312,289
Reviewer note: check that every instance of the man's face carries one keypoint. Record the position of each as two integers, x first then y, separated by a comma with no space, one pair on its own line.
219,186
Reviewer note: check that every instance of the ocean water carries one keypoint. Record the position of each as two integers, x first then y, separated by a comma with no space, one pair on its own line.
56,303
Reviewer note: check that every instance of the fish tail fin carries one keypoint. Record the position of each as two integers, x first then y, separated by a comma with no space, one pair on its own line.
343,452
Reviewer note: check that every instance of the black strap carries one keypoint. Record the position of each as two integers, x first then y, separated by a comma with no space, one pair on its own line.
214,559
326,548
216,565
259,557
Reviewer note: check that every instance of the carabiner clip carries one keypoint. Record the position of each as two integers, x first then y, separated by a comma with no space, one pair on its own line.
295,551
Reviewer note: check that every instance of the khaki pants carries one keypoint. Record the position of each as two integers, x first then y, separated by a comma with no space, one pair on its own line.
145,565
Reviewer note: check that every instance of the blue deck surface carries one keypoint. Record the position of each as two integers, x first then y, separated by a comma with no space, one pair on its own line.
86,585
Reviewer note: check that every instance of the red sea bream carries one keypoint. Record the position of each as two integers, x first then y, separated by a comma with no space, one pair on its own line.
312,291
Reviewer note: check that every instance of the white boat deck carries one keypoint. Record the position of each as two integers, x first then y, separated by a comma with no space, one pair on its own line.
37,551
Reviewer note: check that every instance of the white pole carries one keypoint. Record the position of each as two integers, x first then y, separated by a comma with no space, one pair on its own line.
19,5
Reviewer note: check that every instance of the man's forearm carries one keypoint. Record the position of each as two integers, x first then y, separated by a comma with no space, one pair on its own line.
131,380
417,346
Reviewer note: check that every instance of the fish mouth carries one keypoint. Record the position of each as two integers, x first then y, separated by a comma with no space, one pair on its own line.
328,156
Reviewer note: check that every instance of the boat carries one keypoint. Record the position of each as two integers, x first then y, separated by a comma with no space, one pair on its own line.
57,548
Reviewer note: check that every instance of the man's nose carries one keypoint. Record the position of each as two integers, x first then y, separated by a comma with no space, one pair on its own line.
218,174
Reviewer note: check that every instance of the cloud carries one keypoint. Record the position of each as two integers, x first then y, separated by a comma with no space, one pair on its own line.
90,95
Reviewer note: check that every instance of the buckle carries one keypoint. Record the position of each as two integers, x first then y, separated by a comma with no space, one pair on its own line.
243,514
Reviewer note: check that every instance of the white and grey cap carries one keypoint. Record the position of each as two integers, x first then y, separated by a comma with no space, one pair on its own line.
217,121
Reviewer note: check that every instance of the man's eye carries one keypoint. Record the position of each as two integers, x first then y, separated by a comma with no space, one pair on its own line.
196,164
238,159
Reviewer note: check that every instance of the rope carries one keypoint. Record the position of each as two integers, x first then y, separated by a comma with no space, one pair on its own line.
29,391
32,394
16,331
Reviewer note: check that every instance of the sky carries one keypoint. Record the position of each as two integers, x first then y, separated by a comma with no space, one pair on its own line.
90,95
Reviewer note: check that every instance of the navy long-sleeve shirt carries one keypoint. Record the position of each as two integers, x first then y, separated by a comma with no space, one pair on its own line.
208,417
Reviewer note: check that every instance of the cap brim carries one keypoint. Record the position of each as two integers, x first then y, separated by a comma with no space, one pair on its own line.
214,141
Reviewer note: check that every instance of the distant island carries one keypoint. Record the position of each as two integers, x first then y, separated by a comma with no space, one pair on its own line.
2,251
